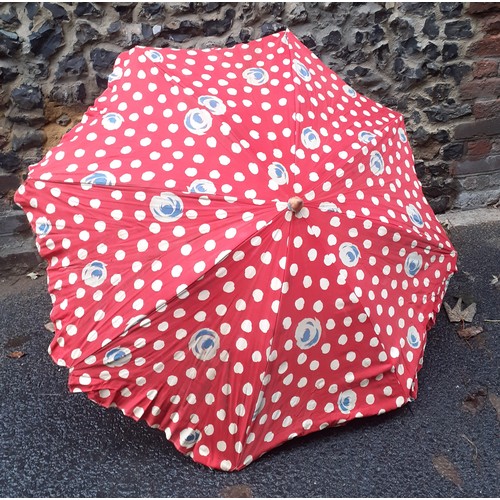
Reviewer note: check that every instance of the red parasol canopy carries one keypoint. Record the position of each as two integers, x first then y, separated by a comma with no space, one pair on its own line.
239,251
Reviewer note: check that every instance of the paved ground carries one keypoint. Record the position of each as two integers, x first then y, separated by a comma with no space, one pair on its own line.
445,444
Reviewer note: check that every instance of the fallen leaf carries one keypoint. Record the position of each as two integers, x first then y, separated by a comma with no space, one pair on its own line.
33,275
495,282
16,354
447,470
237,491
458,314
475,455
495,401
50,327
446,224
475,402
470,331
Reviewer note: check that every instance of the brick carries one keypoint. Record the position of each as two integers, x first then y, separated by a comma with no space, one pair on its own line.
483,7
478,148
17,254
13,222
488,46
10,161
8,182
492,24
472,199
480,166
488,88
486,109
478,128
485,68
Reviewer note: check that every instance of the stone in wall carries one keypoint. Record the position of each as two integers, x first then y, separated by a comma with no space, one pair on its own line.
8,74
73,64
451,9
58,11
27,138
47,40
10,43
102,59
68,94
85,33
88,10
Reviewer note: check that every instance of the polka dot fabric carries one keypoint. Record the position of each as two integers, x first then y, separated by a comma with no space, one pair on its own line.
190,290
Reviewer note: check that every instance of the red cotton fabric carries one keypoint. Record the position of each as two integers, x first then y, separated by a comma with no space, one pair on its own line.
239,251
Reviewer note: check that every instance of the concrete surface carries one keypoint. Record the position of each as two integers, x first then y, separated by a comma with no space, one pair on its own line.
445,444
458,218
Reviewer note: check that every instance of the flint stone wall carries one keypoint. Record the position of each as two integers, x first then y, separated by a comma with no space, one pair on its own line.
437,63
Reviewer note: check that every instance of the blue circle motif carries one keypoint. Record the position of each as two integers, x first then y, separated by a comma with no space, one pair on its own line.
347,401
167,207
43,227
402,135
198,121
366,137
308,333
277,172
349,254
99,178
256,76
301,70
414,216
310,138
349,91
202,186
112,121
204,344
413,338
376,163
215,105
154,56
118,356
189,437
413,264
94,273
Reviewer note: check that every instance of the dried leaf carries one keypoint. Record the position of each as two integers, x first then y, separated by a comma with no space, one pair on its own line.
446,224
475,455
456,314
447,470
16,354
495,282
470,331
237,491
475,402
50,327
33,275
495,401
